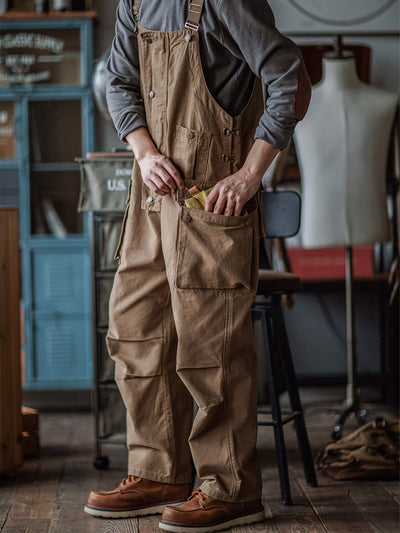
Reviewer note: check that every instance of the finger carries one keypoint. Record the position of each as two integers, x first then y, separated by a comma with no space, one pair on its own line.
211,199
238,208
159,186
219,205
166,177
229,209
160,183
174,173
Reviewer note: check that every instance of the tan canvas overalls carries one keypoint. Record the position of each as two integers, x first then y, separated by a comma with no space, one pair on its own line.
180,323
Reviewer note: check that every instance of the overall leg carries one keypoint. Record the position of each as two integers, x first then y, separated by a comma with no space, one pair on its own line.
142,340
213,277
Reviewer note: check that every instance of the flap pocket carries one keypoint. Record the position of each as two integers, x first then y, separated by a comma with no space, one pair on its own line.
190,152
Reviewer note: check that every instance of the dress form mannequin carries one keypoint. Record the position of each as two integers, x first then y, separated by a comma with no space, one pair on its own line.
342,147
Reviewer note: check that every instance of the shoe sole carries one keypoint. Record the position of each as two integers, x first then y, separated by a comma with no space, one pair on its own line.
103,513
239,521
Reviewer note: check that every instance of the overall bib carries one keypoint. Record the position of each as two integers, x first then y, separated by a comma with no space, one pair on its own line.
180,309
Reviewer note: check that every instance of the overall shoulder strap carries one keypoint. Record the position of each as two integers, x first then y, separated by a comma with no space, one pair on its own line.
194,15
135,9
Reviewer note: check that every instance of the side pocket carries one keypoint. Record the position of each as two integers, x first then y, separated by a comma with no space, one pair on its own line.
117,256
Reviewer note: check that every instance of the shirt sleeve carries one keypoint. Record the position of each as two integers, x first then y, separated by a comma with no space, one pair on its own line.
249,32
123,76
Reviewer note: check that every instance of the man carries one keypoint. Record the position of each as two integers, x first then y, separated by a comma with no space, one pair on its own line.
184,90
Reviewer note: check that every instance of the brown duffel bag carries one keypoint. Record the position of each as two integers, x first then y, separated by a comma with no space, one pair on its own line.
371,452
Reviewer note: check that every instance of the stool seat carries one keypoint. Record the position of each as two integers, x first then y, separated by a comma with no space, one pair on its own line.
272,280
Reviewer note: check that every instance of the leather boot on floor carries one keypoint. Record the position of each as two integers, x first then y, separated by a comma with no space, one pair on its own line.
201,514
136,496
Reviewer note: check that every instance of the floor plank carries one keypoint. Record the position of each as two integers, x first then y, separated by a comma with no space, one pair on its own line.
69,518
122,526
4,510
76,481
33,525
296,518
376,505
335,509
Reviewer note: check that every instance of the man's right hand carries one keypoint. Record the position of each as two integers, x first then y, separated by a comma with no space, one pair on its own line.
158,172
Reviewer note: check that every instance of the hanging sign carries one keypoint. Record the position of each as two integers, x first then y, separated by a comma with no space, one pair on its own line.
29,57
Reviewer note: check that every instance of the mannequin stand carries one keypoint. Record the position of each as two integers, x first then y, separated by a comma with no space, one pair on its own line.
352,402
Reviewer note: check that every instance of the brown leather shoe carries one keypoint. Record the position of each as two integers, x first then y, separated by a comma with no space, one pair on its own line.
136,496
201,513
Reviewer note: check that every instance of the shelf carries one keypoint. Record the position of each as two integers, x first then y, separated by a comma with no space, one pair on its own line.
10,164
18,15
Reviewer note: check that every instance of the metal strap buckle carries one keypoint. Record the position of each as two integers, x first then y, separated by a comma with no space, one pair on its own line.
193,10
191,26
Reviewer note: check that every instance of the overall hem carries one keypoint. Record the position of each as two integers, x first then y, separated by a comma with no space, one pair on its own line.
245,496
155,476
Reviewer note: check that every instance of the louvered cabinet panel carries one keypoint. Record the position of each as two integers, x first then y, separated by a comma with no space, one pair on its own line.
60,345
60,281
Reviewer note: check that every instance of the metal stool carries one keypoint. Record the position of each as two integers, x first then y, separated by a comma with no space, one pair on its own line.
282,219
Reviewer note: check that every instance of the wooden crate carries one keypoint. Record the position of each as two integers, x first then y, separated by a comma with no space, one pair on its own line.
30,432
10,363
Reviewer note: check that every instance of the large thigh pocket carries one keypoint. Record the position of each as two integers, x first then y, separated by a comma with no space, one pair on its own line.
215,251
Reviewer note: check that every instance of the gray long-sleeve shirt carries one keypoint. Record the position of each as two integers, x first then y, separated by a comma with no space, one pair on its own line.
238,40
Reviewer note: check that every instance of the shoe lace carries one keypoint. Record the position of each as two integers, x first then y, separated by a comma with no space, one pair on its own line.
131,479
200,496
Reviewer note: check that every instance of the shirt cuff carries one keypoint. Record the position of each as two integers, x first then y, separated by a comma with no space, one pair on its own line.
274,133
130,122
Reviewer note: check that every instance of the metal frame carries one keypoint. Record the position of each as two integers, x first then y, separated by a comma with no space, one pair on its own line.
101,462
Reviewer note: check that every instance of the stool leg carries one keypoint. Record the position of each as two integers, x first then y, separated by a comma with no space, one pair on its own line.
301,431
276,411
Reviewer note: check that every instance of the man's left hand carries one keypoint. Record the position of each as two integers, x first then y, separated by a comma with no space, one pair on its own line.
229,196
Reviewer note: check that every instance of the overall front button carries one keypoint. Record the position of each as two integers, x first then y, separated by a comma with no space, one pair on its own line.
190,135
152,94
186,218
188,37
149,199
227,132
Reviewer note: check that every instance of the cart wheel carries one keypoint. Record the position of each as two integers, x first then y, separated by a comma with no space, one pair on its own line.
337,432
101,463
362,417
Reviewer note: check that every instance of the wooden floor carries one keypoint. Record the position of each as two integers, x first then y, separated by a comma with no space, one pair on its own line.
48,493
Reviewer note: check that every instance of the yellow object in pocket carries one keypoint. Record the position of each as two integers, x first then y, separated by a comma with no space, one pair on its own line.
198,200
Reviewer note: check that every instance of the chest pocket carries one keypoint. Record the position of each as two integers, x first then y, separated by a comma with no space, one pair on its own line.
190,152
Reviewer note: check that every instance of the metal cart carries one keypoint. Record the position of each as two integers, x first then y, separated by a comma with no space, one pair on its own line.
104,190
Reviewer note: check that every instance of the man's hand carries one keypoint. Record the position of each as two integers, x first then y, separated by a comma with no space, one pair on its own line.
159,174
157,171
230,194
